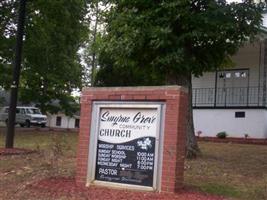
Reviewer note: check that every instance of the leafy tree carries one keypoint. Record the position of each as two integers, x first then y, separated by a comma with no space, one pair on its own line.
113,75
7,40
54,32
90,53
169,41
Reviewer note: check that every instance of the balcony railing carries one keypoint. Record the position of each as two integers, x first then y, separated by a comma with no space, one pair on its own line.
229,97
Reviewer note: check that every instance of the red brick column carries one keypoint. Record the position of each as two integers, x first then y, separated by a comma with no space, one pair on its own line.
176,100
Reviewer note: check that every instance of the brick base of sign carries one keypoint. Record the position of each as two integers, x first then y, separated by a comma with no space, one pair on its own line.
176,101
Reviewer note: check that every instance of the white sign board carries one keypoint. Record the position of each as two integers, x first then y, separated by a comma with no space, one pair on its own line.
126,143
123,125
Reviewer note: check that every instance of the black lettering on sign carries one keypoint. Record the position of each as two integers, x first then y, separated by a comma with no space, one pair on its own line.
106,117
142,119
119,133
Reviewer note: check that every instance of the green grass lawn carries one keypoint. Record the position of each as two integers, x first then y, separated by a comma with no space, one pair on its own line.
231,170
42,140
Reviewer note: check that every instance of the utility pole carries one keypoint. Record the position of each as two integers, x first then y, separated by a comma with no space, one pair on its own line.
16,75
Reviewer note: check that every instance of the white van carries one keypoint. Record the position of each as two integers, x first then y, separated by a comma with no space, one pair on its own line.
25,116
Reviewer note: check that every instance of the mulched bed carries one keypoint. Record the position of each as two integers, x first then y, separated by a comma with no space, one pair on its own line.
234,140
15,151
65,187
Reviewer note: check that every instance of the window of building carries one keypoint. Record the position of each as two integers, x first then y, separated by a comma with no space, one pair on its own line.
58,121
228,75
243,74
240,114
77,123
237,74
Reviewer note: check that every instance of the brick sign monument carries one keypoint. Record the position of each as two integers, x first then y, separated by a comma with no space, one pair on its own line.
132,137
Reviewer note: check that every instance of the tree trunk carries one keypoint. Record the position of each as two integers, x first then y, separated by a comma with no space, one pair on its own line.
16,76
185,80
94,51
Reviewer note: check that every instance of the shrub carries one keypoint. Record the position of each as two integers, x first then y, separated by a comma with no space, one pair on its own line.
221,135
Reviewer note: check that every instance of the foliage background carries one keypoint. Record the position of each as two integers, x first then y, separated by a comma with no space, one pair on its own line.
51,69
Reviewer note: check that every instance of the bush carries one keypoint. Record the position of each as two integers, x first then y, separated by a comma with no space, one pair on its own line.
221,135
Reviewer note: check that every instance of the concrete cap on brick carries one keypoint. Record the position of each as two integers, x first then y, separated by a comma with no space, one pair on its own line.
137,88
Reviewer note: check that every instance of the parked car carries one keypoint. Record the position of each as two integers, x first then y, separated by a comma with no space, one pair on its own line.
25,116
